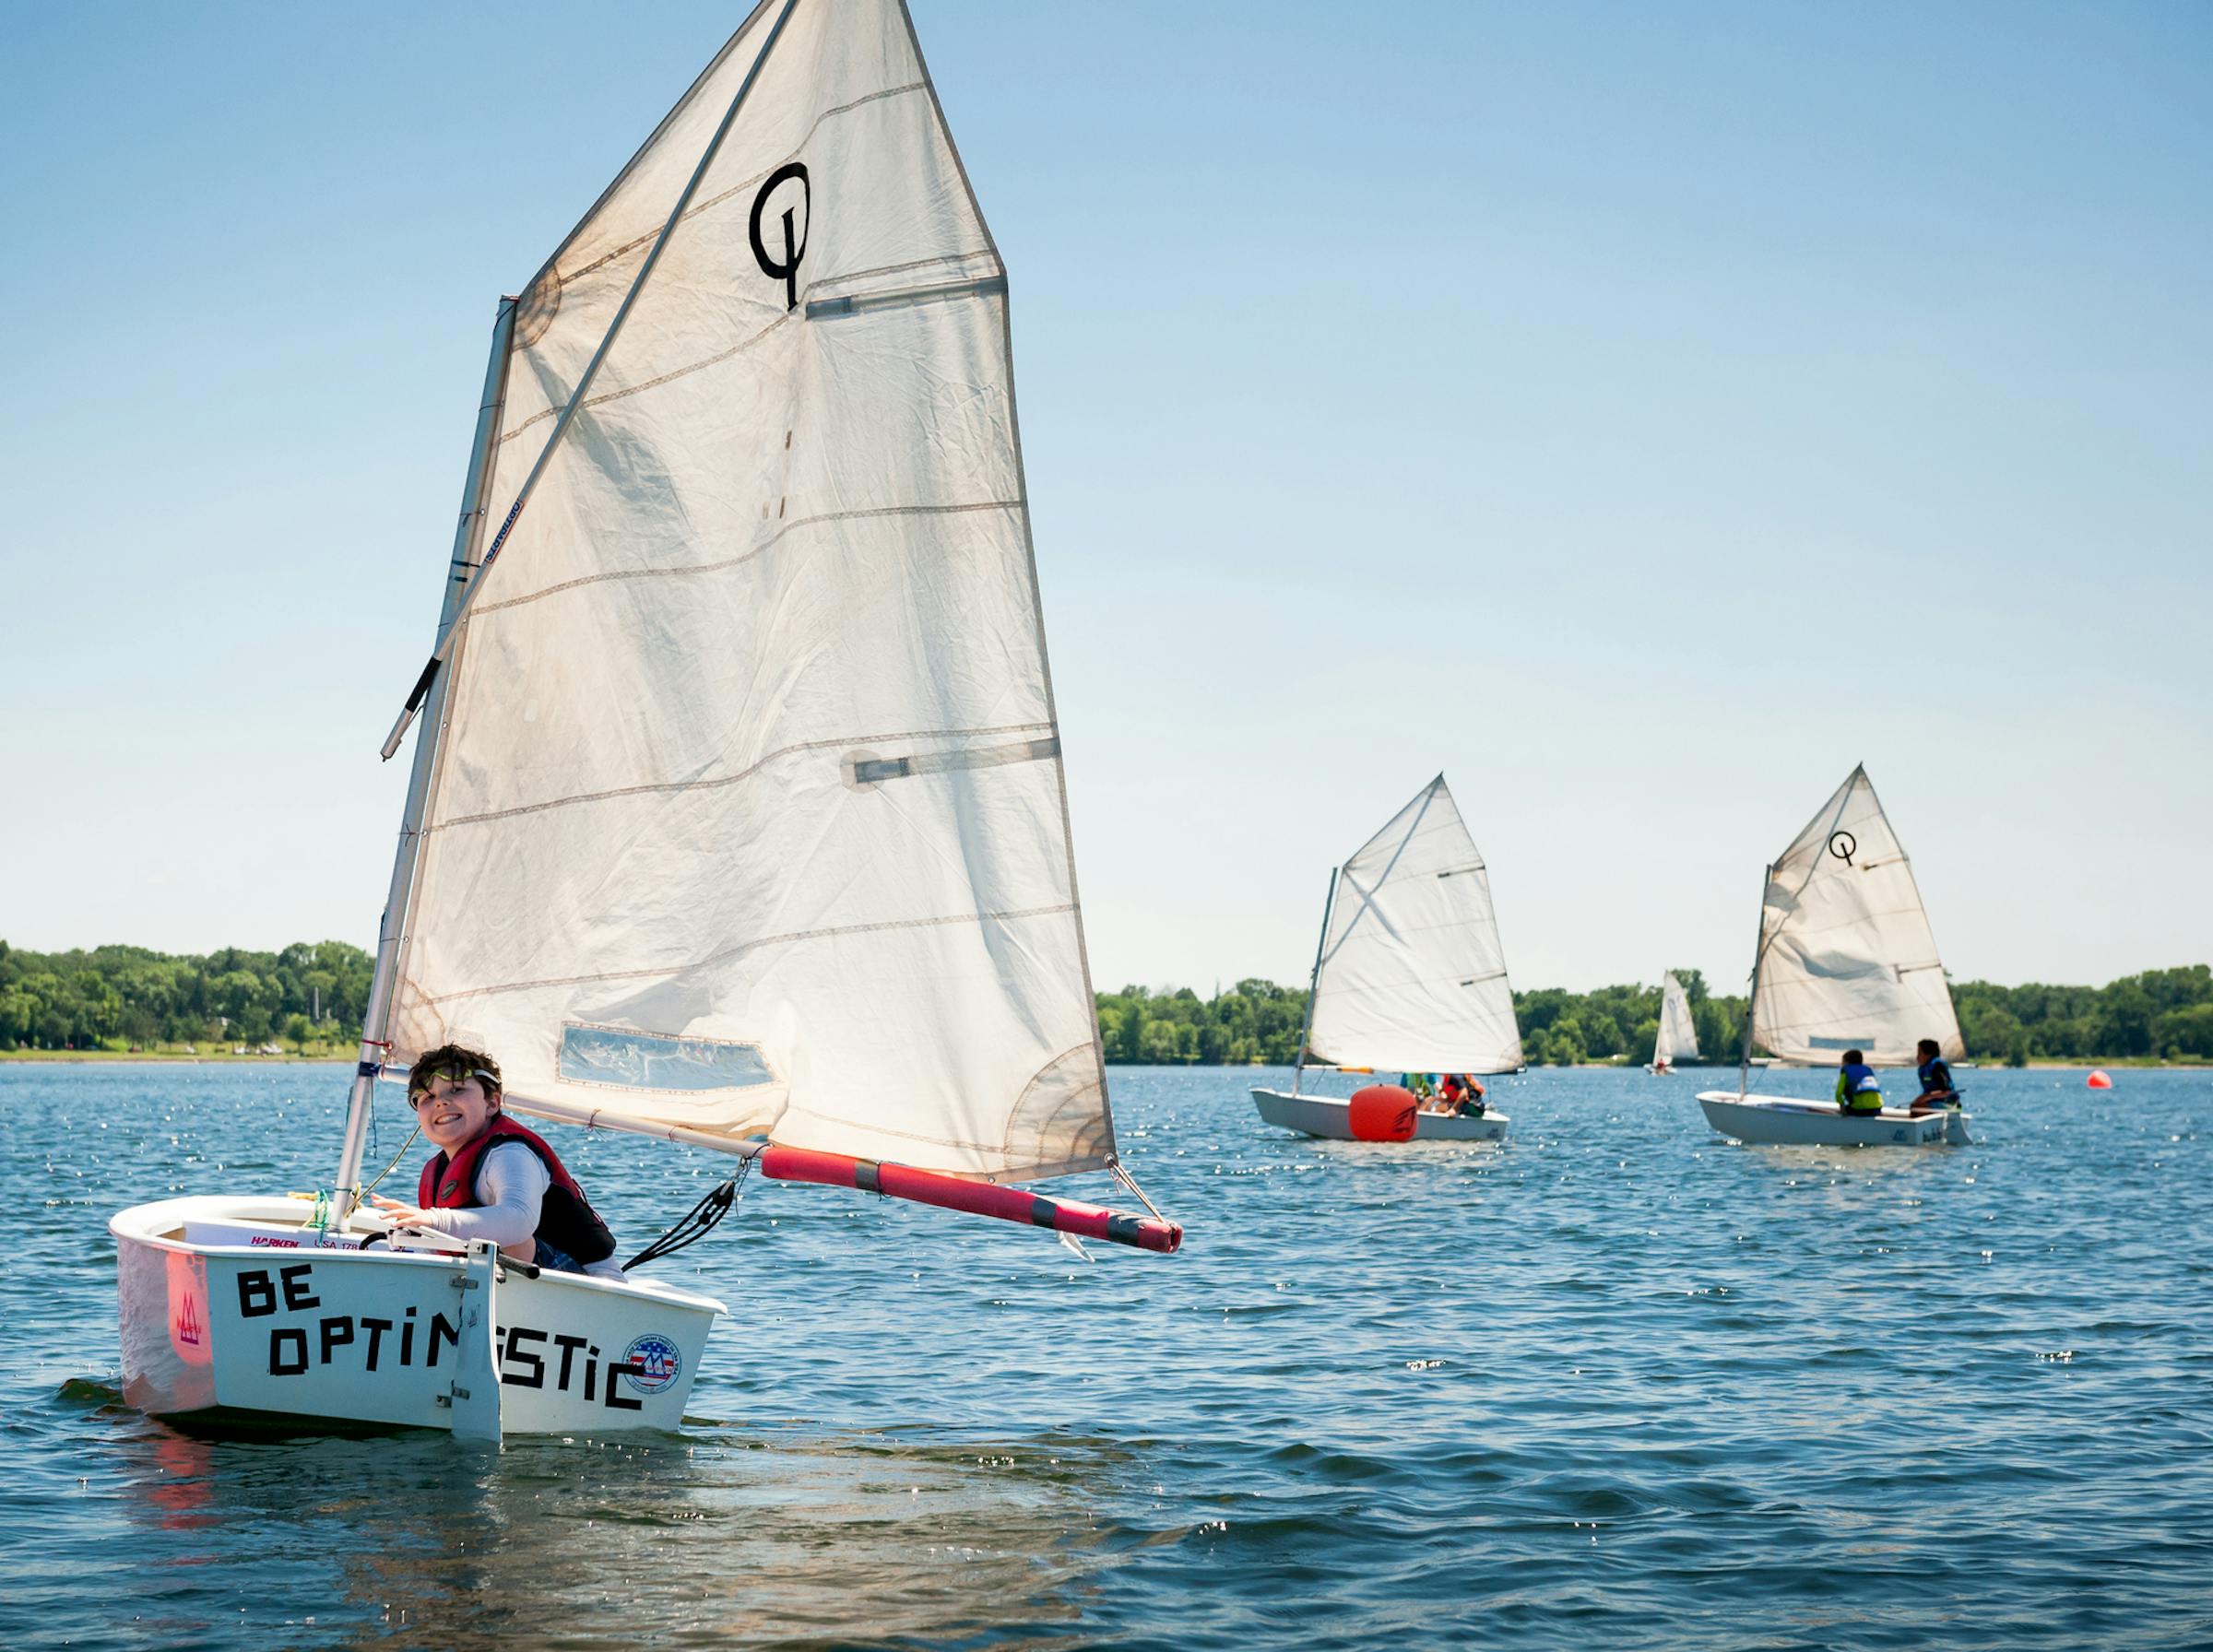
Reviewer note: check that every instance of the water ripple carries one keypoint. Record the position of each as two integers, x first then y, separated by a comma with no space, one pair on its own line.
1611,1380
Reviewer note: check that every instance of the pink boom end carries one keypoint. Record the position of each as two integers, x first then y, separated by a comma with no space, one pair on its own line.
976,1198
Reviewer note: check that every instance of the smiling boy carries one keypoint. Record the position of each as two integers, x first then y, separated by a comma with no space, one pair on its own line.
490,1178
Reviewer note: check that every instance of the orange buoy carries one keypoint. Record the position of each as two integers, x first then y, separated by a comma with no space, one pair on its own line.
1382,1113
2098,1079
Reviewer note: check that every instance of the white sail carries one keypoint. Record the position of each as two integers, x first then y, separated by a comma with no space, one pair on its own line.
1412,977
747,818
1847,960
1678,1035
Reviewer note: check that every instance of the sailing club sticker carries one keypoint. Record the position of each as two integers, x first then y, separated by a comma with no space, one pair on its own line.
652,1362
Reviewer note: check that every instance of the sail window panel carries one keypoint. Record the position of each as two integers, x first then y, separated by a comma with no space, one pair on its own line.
1847,956
633,1060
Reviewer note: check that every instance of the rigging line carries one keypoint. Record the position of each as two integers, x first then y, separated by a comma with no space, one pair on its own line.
584,383
697,1222
1121,1174
737,188
1368,901
982,287
1813,866
363,1197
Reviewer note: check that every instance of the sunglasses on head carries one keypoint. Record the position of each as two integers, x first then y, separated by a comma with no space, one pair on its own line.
453,1072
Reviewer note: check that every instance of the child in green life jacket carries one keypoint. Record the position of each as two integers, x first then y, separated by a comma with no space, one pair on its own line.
1858,1090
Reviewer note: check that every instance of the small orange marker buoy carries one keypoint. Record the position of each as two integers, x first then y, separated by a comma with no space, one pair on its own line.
2098,1080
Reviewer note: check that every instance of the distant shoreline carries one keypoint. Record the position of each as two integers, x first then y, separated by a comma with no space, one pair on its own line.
166,1058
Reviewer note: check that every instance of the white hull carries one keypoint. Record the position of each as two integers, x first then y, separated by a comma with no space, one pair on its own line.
1330,1116
266,1328
1770,1120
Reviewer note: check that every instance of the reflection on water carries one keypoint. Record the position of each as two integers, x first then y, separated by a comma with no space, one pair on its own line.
711,1536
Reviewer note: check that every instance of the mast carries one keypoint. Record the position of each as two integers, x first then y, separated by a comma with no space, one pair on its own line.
1744,1065
1314,982
468,534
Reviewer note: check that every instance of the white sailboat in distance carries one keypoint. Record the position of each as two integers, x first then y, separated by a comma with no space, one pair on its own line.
1678,1036
1409,976
1846,961
737,815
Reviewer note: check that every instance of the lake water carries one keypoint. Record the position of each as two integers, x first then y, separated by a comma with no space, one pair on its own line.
1613,1382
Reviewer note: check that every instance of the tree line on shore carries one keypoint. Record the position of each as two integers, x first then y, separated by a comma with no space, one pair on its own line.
117,997
2161,1013
123,997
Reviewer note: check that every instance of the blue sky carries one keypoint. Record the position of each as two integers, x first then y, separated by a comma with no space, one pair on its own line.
1641,415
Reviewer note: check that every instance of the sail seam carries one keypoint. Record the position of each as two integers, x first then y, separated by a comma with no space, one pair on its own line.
645,787
752,945
769,544
1368,896
736,349
740,186
674,373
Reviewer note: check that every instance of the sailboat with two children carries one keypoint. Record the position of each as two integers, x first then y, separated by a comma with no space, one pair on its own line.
1409,979
1846,977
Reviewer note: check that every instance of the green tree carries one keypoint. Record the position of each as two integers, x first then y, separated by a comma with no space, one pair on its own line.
2181,1034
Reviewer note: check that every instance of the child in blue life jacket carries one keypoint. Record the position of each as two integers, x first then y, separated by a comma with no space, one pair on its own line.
1858,1090
1936,1087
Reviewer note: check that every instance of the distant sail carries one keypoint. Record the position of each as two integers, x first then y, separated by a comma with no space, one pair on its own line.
749,818
1847,960
1678,1034
1412,977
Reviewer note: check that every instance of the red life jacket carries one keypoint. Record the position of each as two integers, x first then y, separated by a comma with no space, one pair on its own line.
565,1218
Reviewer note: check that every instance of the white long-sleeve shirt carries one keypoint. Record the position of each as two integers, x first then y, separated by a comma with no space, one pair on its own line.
512,1181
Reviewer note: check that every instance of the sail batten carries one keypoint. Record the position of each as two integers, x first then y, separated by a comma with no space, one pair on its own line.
749,816
1411,974
1847,958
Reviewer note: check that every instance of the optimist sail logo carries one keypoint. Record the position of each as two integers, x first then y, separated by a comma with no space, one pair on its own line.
656,1359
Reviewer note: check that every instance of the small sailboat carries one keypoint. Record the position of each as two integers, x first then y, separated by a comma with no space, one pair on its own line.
1409,976
1678,1035
737,814
1846,961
